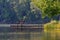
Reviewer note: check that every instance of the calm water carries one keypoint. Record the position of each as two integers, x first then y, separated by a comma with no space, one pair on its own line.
8,33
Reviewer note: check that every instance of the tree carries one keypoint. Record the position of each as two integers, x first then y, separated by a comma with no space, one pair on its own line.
49,8
7,13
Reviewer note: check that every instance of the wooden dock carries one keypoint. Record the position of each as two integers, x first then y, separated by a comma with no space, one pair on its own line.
21,27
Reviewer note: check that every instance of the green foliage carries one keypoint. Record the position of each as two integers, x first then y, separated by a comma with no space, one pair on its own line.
49,8
52,31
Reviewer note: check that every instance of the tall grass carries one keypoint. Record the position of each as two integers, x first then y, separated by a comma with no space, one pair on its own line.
52,31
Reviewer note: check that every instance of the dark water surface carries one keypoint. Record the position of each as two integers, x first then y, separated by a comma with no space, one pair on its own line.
8,33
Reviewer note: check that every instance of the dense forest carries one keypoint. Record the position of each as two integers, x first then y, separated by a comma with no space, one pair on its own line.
21,11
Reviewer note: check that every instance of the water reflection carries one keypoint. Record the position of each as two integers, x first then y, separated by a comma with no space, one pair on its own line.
29,35
21,36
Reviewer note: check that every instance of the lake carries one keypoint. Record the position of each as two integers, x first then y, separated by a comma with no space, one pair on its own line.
10,33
